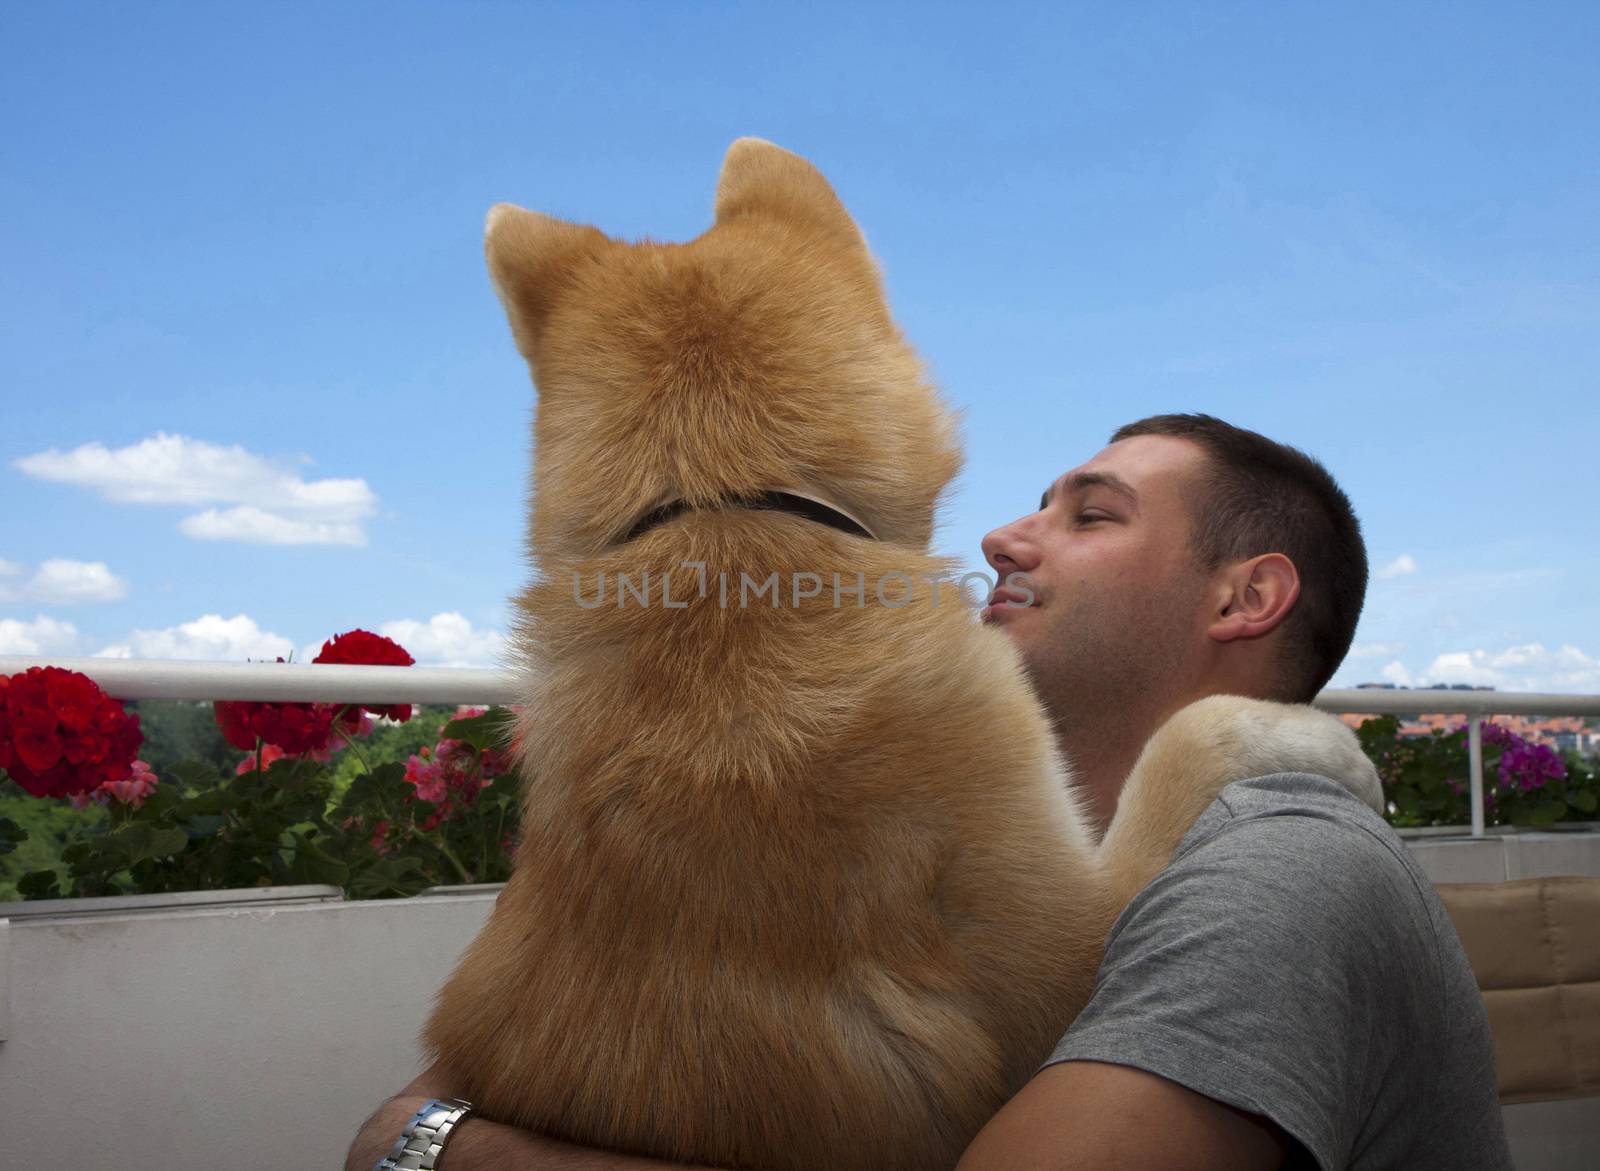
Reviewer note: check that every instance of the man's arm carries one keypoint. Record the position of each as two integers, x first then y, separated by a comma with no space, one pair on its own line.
1246,998
478,1144
1091,1116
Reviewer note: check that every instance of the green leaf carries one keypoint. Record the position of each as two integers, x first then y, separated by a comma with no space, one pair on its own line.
396,876
491,730
313,864
203,804
371,792
39,884
142,840
163,800
1584,802
1547,813
105,853
11,835
196,774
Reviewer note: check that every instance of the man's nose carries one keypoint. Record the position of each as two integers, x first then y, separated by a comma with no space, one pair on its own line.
1008,549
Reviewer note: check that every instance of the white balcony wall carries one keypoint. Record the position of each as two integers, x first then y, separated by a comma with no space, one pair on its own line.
253,1038
259,1036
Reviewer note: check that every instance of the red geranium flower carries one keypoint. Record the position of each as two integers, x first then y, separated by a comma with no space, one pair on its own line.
371,650
60,734
293,727
308,727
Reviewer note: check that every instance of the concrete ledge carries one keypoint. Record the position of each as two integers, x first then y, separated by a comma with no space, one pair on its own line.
171,901
1505,857
195,1024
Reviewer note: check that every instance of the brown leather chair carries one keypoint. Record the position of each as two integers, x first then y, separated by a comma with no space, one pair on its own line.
1534,946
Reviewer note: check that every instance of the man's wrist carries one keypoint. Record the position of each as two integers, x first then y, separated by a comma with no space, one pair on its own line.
478,1144
379,1132
421,1144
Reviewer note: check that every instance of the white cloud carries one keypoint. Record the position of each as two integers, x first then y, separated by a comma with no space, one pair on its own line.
210,636
272,505
1400,567
1396,673
1530,667
446,640
1376,650
42,636
63,582
256,527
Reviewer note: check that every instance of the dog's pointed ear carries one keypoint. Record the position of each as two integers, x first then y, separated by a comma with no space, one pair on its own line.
760,179
531,258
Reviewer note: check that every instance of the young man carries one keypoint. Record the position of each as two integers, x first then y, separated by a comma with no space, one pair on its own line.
1288,992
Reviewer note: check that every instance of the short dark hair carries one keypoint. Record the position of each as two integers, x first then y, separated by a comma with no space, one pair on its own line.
1265,497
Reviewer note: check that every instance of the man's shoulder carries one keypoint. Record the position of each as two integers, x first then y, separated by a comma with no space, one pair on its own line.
1301,847
1292,816
1297,795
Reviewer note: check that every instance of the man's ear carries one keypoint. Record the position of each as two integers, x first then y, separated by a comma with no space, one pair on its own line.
760,179
1254,597
531,257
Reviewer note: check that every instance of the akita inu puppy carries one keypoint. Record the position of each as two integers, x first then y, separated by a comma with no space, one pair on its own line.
802,883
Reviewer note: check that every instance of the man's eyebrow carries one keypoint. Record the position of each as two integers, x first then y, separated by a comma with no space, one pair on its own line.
1083,481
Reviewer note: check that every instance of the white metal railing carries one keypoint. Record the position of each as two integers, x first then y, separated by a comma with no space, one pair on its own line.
303,682
337,683
1474,705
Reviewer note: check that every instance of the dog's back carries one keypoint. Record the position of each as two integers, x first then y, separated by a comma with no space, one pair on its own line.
784,895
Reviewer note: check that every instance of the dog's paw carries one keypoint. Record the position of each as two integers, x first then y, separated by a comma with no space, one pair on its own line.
1259,738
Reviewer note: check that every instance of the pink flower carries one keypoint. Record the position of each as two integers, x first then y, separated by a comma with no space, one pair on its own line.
457,754
135,787
132,789
428,777
268,754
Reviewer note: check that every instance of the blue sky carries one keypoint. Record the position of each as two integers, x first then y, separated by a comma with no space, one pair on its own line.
257,389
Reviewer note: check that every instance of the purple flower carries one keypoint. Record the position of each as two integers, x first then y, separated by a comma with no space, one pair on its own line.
1523,764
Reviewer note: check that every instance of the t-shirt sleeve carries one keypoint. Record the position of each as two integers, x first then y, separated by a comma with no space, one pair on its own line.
1277,968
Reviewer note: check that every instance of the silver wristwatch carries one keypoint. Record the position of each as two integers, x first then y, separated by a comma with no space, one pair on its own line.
424,1137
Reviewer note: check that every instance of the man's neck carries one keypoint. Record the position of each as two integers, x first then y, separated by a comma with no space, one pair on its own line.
1100,765
1102,747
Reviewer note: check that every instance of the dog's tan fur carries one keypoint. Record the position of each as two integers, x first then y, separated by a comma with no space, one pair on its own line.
804,886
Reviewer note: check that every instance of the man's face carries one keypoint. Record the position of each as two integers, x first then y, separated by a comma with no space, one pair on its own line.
1120,605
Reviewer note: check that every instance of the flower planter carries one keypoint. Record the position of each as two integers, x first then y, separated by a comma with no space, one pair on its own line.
188,900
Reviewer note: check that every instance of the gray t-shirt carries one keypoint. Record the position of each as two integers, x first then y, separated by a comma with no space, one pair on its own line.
1293,961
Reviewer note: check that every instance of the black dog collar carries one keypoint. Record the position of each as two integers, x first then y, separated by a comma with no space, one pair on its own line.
792,502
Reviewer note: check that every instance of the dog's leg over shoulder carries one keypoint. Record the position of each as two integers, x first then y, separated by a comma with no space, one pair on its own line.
1202,749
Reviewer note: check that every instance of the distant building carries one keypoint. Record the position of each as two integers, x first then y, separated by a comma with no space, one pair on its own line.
1562,733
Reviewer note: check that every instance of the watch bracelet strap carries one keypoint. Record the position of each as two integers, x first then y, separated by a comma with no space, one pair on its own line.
420,1143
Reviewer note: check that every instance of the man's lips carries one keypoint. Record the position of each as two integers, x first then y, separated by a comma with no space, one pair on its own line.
1005,601
1010,598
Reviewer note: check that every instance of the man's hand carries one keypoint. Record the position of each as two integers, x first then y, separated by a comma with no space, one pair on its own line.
1089,1116
478,1144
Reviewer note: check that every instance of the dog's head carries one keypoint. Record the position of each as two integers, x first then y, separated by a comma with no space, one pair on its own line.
759,356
